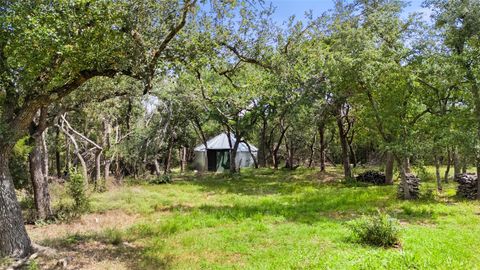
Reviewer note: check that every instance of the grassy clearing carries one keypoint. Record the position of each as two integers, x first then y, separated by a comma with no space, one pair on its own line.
282,220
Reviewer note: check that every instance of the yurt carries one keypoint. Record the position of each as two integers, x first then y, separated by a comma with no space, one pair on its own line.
218,153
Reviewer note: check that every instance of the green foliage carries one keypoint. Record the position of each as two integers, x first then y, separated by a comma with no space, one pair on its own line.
163,179
19,164
377,230
113,236
77,191
33,265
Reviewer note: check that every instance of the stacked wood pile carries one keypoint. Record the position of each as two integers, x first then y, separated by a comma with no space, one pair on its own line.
374,177
413,183
467,185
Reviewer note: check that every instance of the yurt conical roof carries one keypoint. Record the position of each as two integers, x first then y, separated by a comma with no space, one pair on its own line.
220,142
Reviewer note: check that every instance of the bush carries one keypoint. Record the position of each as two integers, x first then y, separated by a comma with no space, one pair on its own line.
379,230
113,236
76,189
164,179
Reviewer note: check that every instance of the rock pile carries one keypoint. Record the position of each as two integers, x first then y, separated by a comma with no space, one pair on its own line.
413,183
467,185
374,177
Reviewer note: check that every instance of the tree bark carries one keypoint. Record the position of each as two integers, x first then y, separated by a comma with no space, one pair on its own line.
312,150
456,162
233,157
406,165
275,159
449,163
58,162
39,180
321,131
183,160
14,240
389,161
437,173
157,167
168,158
98,166
344,144
403,177
255,162
67,155
262,151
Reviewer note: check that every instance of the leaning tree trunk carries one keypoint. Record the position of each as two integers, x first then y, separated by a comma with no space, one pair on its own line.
39,180
14,240
389,160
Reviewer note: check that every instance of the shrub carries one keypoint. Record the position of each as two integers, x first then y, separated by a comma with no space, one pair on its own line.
378,230
164,179
113,236
76,189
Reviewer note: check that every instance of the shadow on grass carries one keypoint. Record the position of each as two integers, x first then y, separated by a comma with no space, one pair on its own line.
90,250
263,181
306,196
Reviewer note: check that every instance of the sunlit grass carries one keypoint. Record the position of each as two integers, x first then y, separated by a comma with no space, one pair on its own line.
264,219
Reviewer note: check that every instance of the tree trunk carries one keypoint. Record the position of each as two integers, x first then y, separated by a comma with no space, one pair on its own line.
262,151
183,160
157,167
39,180
98,166
168,158
58,162
449,163
275,159
321,131
437,173
45,156
456,162
106,169
67,155
403,177
14,240
352,155
312,150
77,153
255,163
389,160
406,165
233,157
344,144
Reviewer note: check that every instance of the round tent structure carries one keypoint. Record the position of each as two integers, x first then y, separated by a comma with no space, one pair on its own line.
218,153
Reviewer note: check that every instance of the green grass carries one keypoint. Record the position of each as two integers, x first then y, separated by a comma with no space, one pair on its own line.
264,219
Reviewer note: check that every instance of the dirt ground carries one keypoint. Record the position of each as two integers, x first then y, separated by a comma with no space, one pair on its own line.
90,254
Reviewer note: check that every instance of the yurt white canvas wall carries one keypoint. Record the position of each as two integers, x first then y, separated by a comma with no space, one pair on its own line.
218,152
